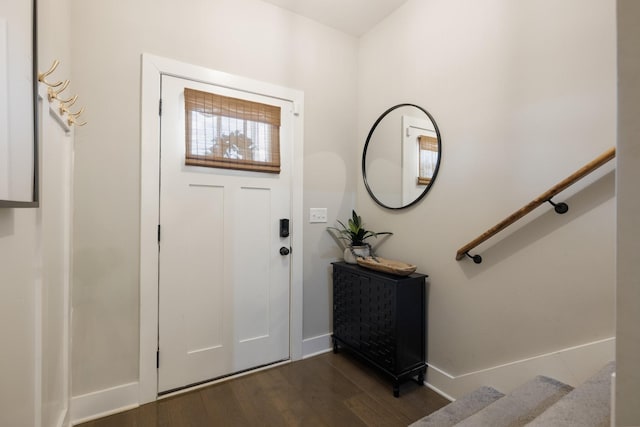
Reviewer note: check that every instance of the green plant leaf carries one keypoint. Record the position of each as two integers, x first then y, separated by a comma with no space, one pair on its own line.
354,232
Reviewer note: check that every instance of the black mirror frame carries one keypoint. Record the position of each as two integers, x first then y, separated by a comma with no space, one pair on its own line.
366,146
35,199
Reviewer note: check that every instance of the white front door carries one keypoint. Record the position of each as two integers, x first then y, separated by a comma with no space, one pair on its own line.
224,286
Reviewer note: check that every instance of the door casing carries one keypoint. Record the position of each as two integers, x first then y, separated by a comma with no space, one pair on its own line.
153,67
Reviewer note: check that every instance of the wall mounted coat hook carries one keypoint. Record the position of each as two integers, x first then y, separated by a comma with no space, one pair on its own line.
73,118
66,103
53,94
76,114
43,76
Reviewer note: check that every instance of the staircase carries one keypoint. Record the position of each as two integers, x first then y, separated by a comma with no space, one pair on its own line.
540,402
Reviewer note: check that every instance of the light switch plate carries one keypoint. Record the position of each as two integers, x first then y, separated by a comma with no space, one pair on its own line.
317,215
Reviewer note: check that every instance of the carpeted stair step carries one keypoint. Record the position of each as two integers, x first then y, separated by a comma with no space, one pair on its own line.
521,405
462,408
589,405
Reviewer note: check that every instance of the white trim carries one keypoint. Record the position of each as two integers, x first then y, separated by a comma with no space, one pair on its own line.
153,67
316,346
38,339
440,392
572,365
68,279
48,131
102,403
38,296
613,400
62,418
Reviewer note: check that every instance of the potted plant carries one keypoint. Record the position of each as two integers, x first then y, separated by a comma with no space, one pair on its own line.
354,235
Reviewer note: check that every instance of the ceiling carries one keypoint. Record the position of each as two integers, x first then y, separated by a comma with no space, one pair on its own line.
353,17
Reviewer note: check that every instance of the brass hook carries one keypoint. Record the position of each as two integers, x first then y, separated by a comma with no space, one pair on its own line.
73,117
42,76
53,94
66,103
71,120
76,115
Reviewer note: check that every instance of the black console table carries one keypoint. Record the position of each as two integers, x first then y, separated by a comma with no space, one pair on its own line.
380,317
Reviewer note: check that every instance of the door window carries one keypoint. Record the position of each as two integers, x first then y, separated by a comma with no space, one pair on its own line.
231,133
427,158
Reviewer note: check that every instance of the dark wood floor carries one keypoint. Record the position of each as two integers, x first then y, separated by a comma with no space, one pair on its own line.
326,390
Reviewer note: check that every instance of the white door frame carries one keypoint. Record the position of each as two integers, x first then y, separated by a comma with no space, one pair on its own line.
153,67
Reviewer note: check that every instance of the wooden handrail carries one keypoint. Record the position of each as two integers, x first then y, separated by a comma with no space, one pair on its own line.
543,198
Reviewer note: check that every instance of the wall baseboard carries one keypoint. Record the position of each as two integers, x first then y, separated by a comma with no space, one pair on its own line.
613,400
110,401
316,345
572,365
101,403
63,420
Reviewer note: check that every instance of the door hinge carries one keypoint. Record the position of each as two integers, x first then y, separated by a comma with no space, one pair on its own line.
160,107
158,359
158,233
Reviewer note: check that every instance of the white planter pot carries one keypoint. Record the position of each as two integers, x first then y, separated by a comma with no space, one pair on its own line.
360,251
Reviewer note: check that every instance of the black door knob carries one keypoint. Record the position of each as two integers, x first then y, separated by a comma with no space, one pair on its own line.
284,251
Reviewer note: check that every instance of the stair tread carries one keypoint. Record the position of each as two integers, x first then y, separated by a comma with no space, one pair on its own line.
460,409
589,405
521,405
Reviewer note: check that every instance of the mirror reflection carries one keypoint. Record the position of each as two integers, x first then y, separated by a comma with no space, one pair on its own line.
401,156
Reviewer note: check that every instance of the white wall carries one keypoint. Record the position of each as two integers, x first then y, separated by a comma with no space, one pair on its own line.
524,94
34,260
628,215
245,37
18,238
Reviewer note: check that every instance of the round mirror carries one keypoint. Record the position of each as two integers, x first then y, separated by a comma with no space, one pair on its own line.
401,156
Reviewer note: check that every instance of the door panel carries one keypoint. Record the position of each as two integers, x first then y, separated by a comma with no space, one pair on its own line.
205,224
253,244
223,285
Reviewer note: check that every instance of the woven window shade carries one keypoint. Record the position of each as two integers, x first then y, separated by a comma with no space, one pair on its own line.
428,157
231,133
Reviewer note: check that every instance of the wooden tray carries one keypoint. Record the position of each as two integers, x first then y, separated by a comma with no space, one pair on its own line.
387,265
